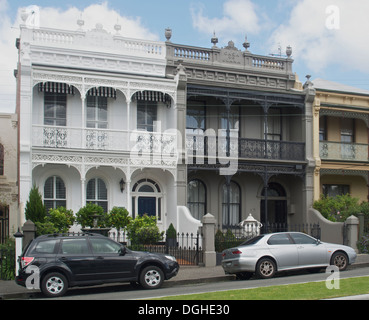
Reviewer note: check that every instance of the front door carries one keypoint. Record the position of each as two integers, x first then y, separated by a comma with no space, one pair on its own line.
147,205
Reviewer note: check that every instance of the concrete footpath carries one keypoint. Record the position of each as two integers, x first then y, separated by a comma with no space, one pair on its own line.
186,275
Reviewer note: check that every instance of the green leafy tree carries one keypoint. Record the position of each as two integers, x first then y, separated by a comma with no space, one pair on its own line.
35,209
61,218
119,218
338,208
85,216
143,230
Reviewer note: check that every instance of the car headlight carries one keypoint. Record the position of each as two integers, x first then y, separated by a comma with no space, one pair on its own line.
171,258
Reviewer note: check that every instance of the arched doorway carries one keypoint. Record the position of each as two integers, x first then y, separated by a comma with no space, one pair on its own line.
147,198
276,198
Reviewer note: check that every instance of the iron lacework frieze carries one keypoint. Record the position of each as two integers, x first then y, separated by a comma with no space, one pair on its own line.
232,95
264,170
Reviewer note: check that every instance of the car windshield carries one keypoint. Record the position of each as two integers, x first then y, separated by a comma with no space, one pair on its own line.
252,241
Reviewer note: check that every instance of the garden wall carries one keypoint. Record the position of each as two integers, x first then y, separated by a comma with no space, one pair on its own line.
330,231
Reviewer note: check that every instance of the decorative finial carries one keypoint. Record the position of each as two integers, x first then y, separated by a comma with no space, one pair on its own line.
168,34
117,27
308,83
80,22
246,44
214,41
289,51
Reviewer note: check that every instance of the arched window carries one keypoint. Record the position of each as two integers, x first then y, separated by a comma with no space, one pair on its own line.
274,190
97,193
196,198
54,193
232,210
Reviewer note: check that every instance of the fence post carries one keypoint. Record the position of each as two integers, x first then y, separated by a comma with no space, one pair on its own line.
208,230
29,232
18,248
352,224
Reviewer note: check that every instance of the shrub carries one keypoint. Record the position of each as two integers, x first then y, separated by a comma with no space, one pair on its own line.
85,216
337,208
171,232
35,209
143,230
118,218
45,228
7,266
363,244
61,218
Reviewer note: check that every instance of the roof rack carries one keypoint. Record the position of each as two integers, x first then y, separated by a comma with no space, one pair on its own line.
69,234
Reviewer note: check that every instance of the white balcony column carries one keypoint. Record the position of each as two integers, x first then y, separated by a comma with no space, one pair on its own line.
83,111
129,201
83,192
128,114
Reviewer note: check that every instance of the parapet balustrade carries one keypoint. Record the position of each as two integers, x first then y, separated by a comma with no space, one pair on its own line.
238,58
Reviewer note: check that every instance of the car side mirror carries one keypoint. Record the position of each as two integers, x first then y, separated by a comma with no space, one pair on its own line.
122,251
318,242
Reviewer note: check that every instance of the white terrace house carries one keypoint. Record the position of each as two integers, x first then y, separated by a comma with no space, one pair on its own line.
95,111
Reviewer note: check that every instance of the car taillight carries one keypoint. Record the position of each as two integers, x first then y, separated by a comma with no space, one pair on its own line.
236,252
25,261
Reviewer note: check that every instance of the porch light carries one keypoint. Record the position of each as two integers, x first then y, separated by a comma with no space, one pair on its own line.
122,185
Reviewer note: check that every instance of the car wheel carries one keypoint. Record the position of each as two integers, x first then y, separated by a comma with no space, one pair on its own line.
266,268
54,285
340,260
151,277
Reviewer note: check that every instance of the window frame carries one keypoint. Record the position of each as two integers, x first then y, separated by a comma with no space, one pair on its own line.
196,204
52,101
227,221
96,104
55,200
104,203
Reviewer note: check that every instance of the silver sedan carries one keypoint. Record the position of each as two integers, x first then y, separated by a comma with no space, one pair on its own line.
269,253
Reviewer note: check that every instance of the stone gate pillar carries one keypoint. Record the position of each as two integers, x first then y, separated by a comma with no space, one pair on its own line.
208,232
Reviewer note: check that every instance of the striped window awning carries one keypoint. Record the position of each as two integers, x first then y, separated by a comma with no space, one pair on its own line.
152,96
56,87
103,92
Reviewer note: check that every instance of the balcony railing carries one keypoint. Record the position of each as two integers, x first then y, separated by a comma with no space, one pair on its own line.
139,142
243,148
164,144
243,60
343,151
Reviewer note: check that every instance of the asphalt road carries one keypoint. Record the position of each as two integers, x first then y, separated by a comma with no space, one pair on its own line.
126,292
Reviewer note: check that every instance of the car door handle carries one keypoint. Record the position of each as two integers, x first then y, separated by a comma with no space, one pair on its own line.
300,247
99,258
63,259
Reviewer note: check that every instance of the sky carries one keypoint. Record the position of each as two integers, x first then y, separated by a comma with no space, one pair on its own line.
329,38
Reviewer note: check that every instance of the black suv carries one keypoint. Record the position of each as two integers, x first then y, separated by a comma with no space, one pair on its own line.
58,262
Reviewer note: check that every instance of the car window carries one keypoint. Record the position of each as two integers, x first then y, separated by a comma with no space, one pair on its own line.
74,246
104,246
47,246
252,241
301,238
278,239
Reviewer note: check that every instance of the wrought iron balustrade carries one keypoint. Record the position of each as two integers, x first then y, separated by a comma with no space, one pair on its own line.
141,142
203,146
343,151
